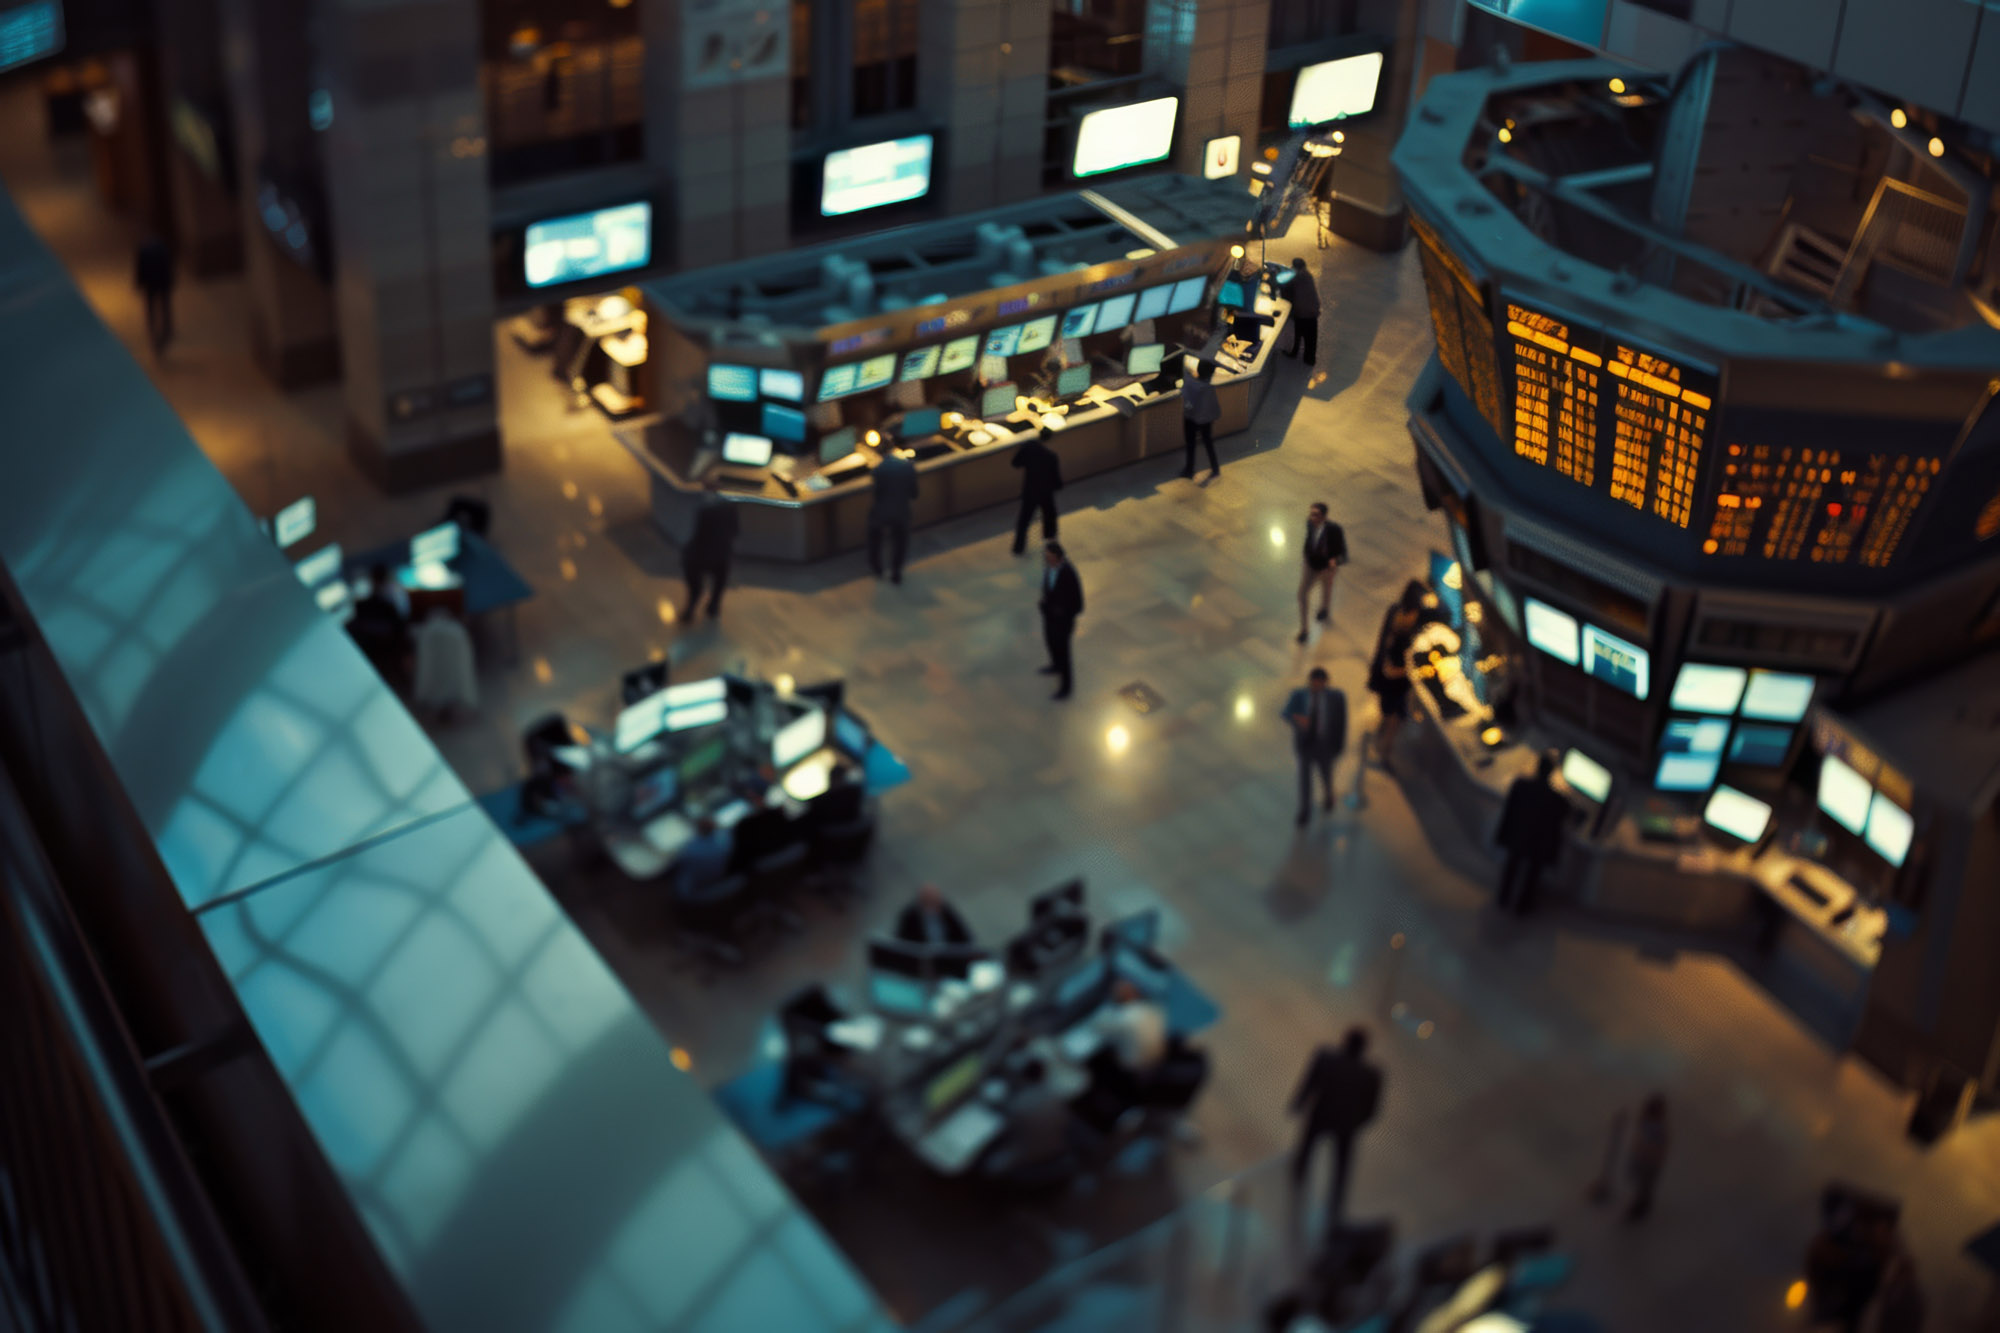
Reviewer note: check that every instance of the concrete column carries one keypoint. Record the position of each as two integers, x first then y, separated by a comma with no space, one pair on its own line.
208,232
718,128
1212,52
983,67
406,181
268,63
1368,206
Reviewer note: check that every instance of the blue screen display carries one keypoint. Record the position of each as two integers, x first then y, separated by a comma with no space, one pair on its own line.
733,384
1231,294
922,421
1003,342
784,423
1760,747
1115,313
588,245
1079,322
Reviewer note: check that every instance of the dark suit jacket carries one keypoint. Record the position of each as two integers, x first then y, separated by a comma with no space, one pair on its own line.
895,487
1531,822
1303,293
714,536
1331,545
1338,1094
1065,600
910,925
153,270
760,833
1332,738
842,804
1041,471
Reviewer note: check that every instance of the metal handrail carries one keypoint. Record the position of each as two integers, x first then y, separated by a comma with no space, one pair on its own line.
1913,228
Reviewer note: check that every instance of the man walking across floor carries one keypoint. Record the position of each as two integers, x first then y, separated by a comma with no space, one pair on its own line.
153,275
889,512
1531,829
1325,552
1337,1098
1062,603
1041,478
705,558
1303,293
1317,716
1200,410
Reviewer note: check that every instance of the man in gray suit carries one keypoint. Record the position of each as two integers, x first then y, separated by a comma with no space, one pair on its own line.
1318,718
895,490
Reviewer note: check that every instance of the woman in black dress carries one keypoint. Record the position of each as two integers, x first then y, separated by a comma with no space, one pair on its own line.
1388,674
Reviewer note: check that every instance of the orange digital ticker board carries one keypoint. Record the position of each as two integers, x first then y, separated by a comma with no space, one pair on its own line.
1658,426
1558,369
1827,506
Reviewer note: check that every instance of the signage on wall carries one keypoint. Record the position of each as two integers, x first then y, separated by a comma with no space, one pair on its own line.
731,41
1222,156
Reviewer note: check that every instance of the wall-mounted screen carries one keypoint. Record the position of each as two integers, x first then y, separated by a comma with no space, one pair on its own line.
1781,501
1704,688
875,372
1556,366
1625,666
1080,322
1187,295
1656,414
29,30
1230,293
959,354
784,423
1844,794
1757,745
1116,313
920,364
1889,830
1552,631
875,175
998,401
1003,342
789,385
1334,89
1690,753
732,384
1777,696
1037,334
295,522
1145,359
1073,381
1586,777
1125,136
1736,813
1153,303
838,382
746,450
588,245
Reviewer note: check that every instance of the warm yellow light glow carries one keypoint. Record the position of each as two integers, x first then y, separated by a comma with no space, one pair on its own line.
1901,120
1795,1295
1492,736
1618,85
1937,147
543,671
1452,577
1339,136
682,1060
874,437
668,612
1236,252
1053,420
1117,740
1424,1030
1277,535
1243,708
784,684
569,490
568,568
1397,940
954,418
1506,135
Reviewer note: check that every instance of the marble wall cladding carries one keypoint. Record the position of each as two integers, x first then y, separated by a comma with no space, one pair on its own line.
984,66
1213,55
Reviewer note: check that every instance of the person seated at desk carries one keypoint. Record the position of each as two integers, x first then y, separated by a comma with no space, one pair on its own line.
704,862
1044,1139
1134,1034
844,800
381,626
765,830
932,920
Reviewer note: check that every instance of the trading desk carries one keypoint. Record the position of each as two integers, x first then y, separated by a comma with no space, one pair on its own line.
488,582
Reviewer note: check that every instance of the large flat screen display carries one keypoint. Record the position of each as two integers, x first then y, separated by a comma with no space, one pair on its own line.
1080,322
1334,89
1757,745
1125,136
29,31
1736,813
838,382
1690,753
1702,688
1889,830
784,423
732,384
746,450
875,372
1153,303
1612,660
920,364
1844,794
959,354
797,739
875,175
1187,295
1586,776
1037,334
1552,631
789,385
588,245
1003,342
1116,313
1777,696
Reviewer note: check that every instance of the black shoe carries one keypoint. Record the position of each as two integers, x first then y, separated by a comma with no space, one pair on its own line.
1020,550
1321,617
1060,694
1214,474
1302,636
1187,474
1328,807
1047,670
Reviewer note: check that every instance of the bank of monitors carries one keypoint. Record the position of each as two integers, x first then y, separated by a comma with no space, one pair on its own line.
998,400
1736,813
838,382
295,522
1586,777
1844,794
1115,313
1003,342
837,445
795,740
746,450
1759,745
921,421
922,363
320,566
1554,632
732,384
1889,830
1704,688
1231,294
435,546
1187,295
784,423
1622,665
788,385
695,703
875,372
1080,322
1072,381
1152,303
1691,750
1145,359
1777,696
959,354
1037,334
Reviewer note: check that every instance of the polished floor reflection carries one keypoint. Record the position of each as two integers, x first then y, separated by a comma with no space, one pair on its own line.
1508,1046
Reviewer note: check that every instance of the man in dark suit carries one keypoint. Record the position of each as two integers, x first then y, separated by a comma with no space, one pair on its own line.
1325,551
931,920
153,275
1041,478
1531,829
1062,603
1200,410
1318,718
889,512
705,558
1303,293
1338,1097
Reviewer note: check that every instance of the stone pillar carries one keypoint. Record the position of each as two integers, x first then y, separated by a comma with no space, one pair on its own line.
208,233
983,70
1212,52
405,170
718,128
268,61
1368,206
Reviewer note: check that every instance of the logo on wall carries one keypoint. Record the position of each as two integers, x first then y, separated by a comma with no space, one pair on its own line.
728,41
1222,156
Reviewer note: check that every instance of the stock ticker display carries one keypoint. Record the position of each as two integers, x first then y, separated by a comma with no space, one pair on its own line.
1827,506
1557,368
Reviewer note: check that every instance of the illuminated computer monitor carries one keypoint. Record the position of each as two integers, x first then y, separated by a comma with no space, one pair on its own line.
702,760
784,423
922,363
1187,295
1003,342
708,690
294,523
733,384
1844,794
799,738
1622,665
998,401
1153,302
838,445
320,566
921,421
838,382
334,599
891,993
1691,753
694,716
746,450
1777,696
789,385
1760,745
1115,313
435,546
1890,829
1073,381
639,723
1586,777
1702,688
1080,322
1231,294
1140,930
959,354
851,734
1736,813
1037,334
875,372
1144,359
1552,631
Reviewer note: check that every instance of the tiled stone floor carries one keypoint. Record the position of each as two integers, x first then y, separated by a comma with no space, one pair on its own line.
1494,1113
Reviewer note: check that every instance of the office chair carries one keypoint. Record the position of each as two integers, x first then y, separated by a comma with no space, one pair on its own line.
471,513
643,682
811,1058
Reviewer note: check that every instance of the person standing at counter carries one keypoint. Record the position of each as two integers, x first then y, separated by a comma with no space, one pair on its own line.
1041,478
1200,410
931,920
705,558
1318,717
1303,293
1062,603
1388,672
889,512
1531,829
1325,552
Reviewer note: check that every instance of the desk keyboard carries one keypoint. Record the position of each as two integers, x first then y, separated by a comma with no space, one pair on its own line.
961,1136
